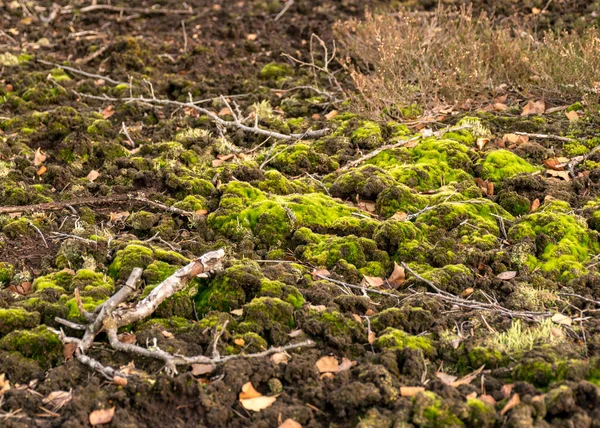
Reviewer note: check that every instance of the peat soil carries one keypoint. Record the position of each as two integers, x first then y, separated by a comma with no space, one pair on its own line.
474,250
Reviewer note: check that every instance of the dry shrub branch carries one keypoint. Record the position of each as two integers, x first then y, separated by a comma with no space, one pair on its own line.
451,57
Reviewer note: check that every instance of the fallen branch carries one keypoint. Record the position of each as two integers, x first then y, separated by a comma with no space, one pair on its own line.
375,152
131,197
81,72
357,287
111,315
118,9
545,136
475,305
237,121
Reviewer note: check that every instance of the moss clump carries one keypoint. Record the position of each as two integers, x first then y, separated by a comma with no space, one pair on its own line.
17,228
300,158
501,164
142,221
277,183
514,203
368,135
17,318
285,292
431,411
367,182
39,344
392,235
334,327
100,127
481,413
272,315
399,198
89,304
132,256
252,342
60,281
6,273
191,203
563,241
88,280
274,70
392,338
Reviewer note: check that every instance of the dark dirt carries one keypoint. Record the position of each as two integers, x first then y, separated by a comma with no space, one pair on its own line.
282,210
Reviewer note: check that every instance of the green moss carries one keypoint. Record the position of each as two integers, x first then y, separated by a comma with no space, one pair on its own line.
60,281
8,60
17,318
567,242
132,256
367,181
279,184
475,357
17,228
100,127
89,304
283,291
6,273
269,312
501,164
88,280
399,198
514,203
142,221
392,338
39,344
274,70
252,342
431,411
300,158
173,324
481,414
59,75
367,135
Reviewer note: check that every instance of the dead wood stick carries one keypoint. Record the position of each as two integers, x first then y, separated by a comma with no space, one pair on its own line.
375,152
546,136
119,9
59,205
235,123
81,72
356,287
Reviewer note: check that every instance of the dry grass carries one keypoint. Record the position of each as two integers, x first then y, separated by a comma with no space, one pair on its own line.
450,57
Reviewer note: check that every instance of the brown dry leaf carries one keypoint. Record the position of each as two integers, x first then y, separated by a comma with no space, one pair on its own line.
322,272
397,277
557,332
58,398
357,318
370,312
553,163
237,312
515,139
104,416
514,400
399,216
488,399
467,292
559,174
410,391
481,142
202,369
367,206
331,114
346,364
500,106
167,334
108,112
119,380
445,378
69,351
316,116
295,333
42,170
120,216
251,37
201,212
39,157
4,384
534,205
290,423
93,175
372,281
505,276
328,365
534,107
248,391
572,115
561,319
280,358
224,112
490,188
471,395
371,337
239,342
128,338
327,376
465,380
23,288
506,389
253,400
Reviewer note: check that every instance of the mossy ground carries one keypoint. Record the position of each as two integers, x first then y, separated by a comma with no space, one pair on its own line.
281,210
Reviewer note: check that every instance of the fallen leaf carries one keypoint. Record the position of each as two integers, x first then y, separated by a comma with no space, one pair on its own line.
488,399
224,112
290,423
316,116
58,399
471,395
410,391
467,292
370,312
295,333
120,216
69,351
237,312
397,277
331,114
93,175
561,319
557,332
514,400
317,308
367,206
481,142
500,106
371,337
253,400
4,384
399,216
515,139
553,163
201,212
536,11
42,170
506,389
346,364
572,115
465,380
327,365
560,174
239,342
102,416
168,334
534,107
251,37
327,375
128,338
357,318
490,188
445,378
505,276
39,157
322,272
534,205
108,112
119,380
371,281
280,358
202,369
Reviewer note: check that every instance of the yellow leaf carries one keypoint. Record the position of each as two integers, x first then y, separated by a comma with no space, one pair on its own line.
572,115
93,175
248,392
534,107
397,277
42,170
290,423
103,416
328,365
372,281
239,342
39,157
